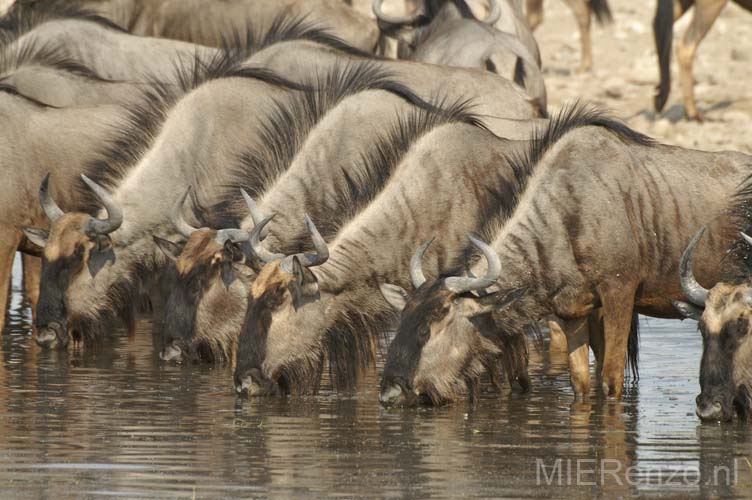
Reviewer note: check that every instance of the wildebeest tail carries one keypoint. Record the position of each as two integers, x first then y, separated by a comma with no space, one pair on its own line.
633,347
663,30
601,10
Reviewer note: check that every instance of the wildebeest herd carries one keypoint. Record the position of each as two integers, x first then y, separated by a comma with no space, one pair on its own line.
279,183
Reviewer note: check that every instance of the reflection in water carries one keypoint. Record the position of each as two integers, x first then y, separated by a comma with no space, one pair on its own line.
114,421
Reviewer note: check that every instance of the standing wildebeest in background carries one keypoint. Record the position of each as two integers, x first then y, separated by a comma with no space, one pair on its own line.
92,274
703,17
306,308
447,33
572,256
496,99
210,22
583,10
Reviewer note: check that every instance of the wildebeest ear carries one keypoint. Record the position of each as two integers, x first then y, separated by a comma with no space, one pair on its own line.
99,258
36,236
688,311
305,283
395,295
170,249
492,302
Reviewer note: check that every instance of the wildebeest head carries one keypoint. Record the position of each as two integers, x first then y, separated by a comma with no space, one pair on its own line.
411,29
725,320
209,289
76,247
280,349
438,351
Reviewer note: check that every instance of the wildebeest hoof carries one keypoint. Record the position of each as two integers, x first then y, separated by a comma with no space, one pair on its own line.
52,336
171,352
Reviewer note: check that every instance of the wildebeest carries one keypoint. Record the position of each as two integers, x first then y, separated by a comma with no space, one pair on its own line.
496,98
37,138
339,166
210,22
583,10
305,308
195,145
703,17
447,33
571,255
723,313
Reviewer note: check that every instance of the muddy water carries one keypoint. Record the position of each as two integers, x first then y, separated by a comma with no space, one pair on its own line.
115,422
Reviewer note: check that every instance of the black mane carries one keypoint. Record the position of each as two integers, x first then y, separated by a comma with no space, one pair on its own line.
32,52
570,117
24,16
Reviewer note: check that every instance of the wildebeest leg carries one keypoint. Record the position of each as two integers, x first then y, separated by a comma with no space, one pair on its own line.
558,339
534,13
579,360
617,305
9,239
581,13
32,271
705,14
597,342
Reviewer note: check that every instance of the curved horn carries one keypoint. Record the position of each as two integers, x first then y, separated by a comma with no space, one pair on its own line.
234,235
384,18
114,212
51,210
416,265
495,13
310,259
176,217
747,238
256,214
460,285
262,253
692,289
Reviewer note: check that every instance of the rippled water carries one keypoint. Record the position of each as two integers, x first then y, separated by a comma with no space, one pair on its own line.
118,423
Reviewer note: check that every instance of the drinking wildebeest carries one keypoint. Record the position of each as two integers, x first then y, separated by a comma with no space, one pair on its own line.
101,267
37,138
723,313
211,22
447,33
339,166
554,247
305,308
583,10
703,17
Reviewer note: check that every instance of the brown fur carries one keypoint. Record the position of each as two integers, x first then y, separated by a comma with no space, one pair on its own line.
201,248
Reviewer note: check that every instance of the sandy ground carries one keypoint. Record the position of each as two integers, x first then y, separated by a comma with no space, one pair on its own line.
626,72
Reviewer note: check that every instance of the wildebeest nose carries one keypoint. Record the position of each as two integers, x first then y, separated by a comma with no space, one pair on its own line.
391,395
171,352
52,336
708,409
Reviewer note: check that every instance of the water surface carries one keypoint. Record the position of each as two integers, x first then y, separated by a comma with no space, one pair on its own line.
116,422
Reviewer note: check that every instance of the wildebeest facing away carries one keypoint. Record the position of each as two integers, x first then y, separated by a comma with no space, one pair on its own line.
447,33
723,313
211,22
305,308
703,17
571,256
197,144
583,10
